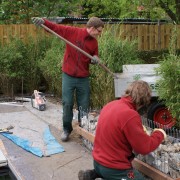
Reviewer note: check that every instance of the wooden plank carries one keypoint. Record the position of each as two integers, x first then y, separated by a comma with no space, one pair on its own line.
149,170
140,37
167,36
137,164
133,35
89,136
9,33
3,159
151,37
131,30
122,31
13,31
4,35
157,42
10,165
162,34
145,34
148,37
178,40
1,33
128,32
3,148
33,31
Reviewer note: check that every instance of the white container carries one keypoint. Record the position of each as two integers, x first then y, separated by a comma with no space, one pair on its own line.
145,72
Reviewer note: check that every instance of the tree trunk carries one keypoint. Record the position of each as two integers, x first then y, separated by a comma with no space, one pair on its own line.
168,10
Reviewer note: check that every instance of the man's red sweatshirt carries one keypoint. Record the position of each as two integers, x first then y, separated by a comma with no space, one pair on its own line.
120,132
75,63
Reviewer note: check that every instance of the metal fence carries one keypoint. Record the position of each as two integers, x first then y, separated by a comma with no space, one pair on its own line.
149,37
165,158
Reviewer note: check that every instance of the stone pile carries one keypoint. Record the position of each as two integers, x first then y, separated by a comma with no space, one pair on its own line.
166,157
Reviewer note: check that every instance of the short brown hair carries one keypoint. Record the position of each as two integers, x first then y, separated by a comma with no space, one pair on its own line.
140,92
95,22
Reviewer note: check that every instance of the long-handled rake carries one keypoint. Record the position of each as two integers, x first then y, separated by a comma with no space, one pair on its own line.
79,49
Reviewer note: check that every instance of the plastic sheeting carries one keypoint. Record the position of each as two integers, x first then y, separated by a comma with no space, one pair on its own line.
51,146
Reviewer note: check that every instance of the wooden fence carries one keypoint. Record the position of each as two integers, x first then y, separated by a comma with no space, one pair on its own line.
149,37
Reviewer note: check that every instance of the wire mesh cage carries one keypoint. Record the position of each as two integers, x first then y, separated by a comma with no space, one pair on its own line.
166,158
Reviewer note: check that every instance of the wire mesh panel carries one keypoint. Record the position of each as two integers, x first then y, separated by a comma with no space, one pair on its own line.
166,158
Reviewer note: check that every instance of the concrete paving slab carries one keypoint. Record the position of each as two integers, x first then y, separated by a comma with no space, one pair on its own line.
62,166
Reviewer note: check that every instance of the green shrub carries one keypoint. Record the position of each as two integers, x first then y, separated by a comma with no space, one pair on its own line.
113,53
19,61
36,50
12,64
169,84
51,63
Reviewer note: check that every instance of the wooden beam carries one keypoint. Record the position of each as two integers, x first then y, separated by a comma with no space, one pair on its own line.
10,164
149,170
87,135
3,148
146,169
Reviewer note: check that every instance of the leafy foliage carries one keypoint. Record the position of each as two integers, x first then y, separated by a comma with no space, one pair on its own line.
99,8
12,58
19,60
113,53
21,11
153,9
51,63
169,84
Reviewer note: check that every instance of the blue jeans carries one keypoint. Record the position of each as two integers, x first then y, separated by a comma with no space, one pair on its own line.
116,174
80,87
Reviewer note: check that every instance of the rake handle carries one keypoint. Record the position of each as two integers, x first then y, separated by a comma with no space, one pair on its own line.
79,49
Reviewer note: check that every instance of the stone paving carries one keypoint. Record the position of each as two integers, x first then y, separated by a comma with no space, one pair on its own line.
62,166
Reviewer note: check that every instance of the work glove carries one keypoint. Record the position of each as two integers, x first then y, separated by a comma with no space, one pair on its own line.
161,130
37,21
95,60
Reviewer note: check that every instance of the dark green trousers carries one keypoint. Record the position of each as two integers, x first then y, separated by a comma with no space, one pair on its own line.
79,87
115,174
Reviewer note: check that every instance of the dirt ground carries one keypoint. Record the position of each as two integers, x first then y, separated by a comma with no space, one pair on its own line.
62,166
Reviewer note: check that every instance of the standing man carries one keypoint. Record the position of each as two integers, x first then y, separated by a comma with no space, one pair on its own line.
119,133
75,68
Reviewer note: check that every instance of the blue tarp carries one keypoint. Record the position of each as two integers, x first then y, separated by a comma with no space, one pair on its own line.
51,146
